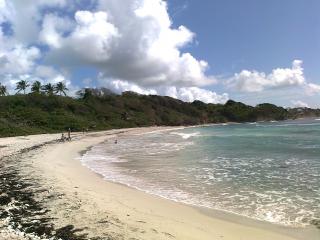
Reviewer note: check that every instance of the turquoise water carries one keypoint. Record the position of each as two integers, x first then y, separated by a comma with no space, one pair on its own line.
266,171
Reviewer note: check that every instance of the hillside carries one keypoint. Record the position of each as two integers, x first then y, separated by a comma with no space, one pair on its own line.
37,113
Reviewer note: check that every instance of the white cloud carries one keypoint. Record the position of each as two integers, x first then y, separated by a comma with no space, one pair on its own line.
52,29
190,94
312,89
133,41
3,11
41,75
47,74
129,40
43,71
18,60
187,94
25,16
90,40
298,104
119,86
254,81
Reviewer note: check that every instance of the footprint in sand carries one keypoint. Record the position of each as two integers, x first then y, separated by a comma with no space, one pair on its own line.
153,230
141,222
168,235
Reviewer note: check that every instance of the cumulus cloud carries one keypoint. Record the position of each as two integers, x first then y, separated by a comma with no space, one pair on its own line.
299,104
20,55
46,74
254,81
190,94
187,94
132,41
10,80
25,15
3,11
129,40
92,31
312,88
120,86
18,60
133,44
52,29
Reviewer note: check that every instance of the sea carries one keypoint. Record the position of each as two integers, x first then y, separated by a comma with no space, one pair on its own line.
267,171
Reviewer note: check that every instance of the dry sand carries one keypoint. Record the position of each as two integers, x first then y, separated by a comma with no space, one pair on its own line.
106,210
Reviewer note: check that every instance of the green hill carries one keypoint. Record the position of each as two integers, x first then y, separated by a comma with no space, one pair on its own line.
37,113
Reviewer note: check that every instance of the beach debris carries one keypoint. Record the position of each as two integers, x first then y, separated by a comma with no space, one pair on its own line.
22,209
4,199
316,222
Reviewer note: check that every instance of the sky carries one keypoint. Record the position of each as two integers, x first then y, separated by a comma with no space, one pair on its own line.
209,50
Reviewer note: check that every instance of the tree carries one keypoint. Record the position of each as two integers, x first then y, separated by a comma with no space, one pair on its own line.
48,89
22,85
3,90
61,88
85,93
36,87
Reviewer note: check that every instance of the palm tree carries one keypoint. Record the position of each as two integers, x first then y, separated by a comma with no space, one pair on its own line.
36,87
49,89
61,88
22,85
3,90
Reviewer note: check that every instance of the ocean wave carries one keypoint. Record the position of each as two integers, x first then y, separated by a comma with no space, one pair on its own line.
186,135
279,187
167,147
290,125
235,204
269,206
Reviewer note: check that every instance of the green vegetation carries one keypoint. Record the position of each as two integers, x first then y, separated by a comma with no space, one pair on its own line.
36,87
3,90
22,85
41,111
61,88
48,89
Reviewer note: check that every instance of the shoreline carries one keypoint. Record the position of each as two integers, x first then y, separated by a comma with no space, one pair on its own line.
120,212
297,232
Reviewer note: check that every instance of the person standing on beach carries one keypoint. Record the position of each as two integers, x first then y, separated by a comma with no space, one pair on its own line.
62,137
69,134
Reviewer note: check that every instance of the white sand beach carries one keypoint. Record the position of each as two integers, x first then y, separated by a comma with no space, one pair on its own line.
113,211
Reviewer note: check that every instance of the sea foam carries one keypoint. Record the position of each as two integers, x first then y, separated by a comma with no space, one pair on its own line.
260,173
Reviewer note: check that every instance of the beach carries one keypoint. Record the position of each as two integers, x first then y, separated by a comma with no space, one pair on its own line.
81,202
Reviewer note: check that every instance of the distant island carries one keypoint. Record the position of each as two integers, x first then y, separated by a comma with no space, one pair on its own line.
101,109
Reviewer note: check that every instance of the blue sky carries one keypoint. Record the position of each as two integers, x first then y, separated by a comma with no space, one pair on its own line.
248,50
249,34
261,35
